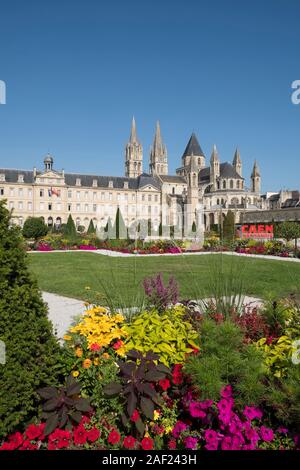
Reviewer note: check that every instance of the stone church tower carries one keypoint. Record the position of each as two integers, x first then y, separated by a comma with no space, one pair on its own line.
214,169
133,154
158,155
255,178
192,191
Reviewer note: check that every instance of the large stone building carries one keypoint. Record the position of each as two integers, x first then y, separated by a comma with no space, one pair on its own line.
197,193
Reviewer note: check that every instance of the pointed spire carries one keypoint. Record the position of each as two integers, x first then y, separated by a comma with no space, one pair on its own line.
133,135
158,154
237,157
214,156
193,147
157,138
255,171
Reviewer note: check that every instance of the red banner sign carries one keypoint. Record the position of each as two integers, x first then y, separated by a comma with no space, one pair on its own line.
256,231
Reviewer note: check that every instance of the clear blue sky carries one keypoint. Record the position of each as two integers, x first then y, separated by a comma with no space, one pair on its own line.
76,72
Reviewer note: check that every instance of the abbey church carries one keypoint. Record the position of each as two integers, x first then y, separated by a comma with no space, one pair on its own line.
207,189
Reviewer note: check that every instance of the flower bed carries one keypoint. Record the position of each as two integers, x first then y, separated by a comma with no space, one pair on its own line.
172,377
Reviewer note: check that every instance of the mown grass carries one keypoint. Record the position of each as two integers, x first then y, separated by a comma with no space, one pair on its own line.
69,274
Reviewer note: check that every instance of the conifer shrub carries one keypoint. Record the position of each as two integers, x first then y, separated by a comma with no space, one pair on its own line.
69,228
225,358
32,352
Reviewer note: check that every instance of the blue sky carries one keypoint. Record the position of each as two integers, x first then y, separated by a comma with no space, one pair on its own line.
76,72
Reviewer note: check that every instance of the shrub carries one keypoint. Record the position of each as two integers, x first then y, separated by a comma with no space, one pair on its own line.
224,358
91,229
69,228
167,335
34,227
32,352
228,227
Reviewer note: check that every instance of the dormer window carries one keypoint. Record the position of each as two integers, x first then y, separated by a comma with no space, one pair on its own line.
78,182
95,183
2,177
20,178
110,184
125,184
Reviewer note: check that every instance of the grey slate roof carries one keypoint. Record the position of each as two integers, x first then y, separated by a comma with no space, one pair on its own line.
226,171
193,147
172,179
11,176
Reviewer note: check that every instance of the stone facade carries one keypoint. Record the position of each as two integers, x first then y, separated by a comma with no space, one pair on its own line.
197,193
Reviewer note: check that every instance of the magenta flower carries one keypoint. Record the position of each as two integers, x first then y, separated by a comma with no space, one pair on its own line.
226,392
226,444
267,434
252,435
205,404
252,413
195,410
211,445
179,428
224,405
210,435
282,430
191,442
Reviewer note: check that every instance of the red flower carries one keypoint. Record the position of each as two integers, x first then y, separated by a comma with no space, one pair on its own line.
79,435
59,439
172,444
95,347
165,384
135,416
147,443
33,432
7,446
118,344
114,437
129,442
28,446
177,375
15,440
93,435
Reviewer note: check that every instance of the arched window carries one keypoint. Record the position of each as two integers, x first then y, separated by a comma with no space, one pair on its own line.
173,190
199,161
238,184
224,184
222,201
218,184
218,201
231,184
50,221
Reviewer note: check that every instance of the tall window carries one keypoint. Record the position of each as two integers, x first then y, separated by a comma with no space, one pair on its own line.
224,184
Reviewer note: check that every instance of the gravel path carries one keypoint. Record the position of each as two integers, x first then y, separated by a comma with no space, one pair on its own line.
63,310
128,255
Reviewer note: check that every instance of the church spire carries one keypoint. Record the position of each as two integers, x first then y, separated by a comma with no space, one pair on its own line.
133,154
237,162
255,178
158,154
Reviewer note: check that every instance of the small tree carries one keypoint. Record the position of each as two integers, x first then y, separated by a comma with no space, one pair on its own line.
289,231
34,227
32,352
108,229
160,230
92,228
228,227
70,229
194,227
119,226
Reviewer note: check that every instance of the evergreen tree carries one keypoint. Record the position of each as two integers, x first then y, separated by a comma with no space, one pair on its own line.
194,227
32,354
229,227
91,228
119,226
70,229
160,229
109,229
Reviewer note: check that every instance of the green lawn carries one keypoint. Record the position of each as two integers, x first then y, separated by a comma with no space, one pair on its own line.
70,273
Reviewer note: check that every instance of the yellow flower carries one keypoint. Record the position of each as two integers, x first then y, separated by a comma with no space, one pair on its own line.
105,356
96,361
146,434
86,363
67,338
87,288
156,415
168,429
79,352
75,373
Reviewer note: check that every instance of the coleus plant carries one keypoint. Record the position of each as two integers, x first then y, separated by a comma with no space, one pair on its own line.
138,376
62,407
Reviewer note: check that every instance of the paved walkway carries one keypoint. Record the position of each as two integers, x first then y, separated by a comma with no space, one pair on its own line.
197,253
63,310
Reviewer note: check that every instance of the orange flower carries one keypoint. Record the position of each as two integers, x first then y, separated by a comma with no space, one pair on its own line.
79,352
86,363
105,356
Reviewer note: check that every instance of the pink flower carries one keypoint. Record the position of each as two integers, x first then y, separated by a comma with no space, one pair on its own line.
195,410
252,413
267,434
172,444
226,392
224,406
226,444
210,435
211,445
179,428
205,404
95,347
191,442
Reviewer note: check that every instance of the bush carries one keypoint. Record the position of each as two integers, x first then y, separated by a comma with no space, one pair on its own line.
167,335
34,227
225,359
69,228
32,352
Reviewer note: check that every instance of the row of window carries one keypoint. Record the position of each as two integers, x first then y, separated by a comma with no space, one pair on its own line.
103,196
239,184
